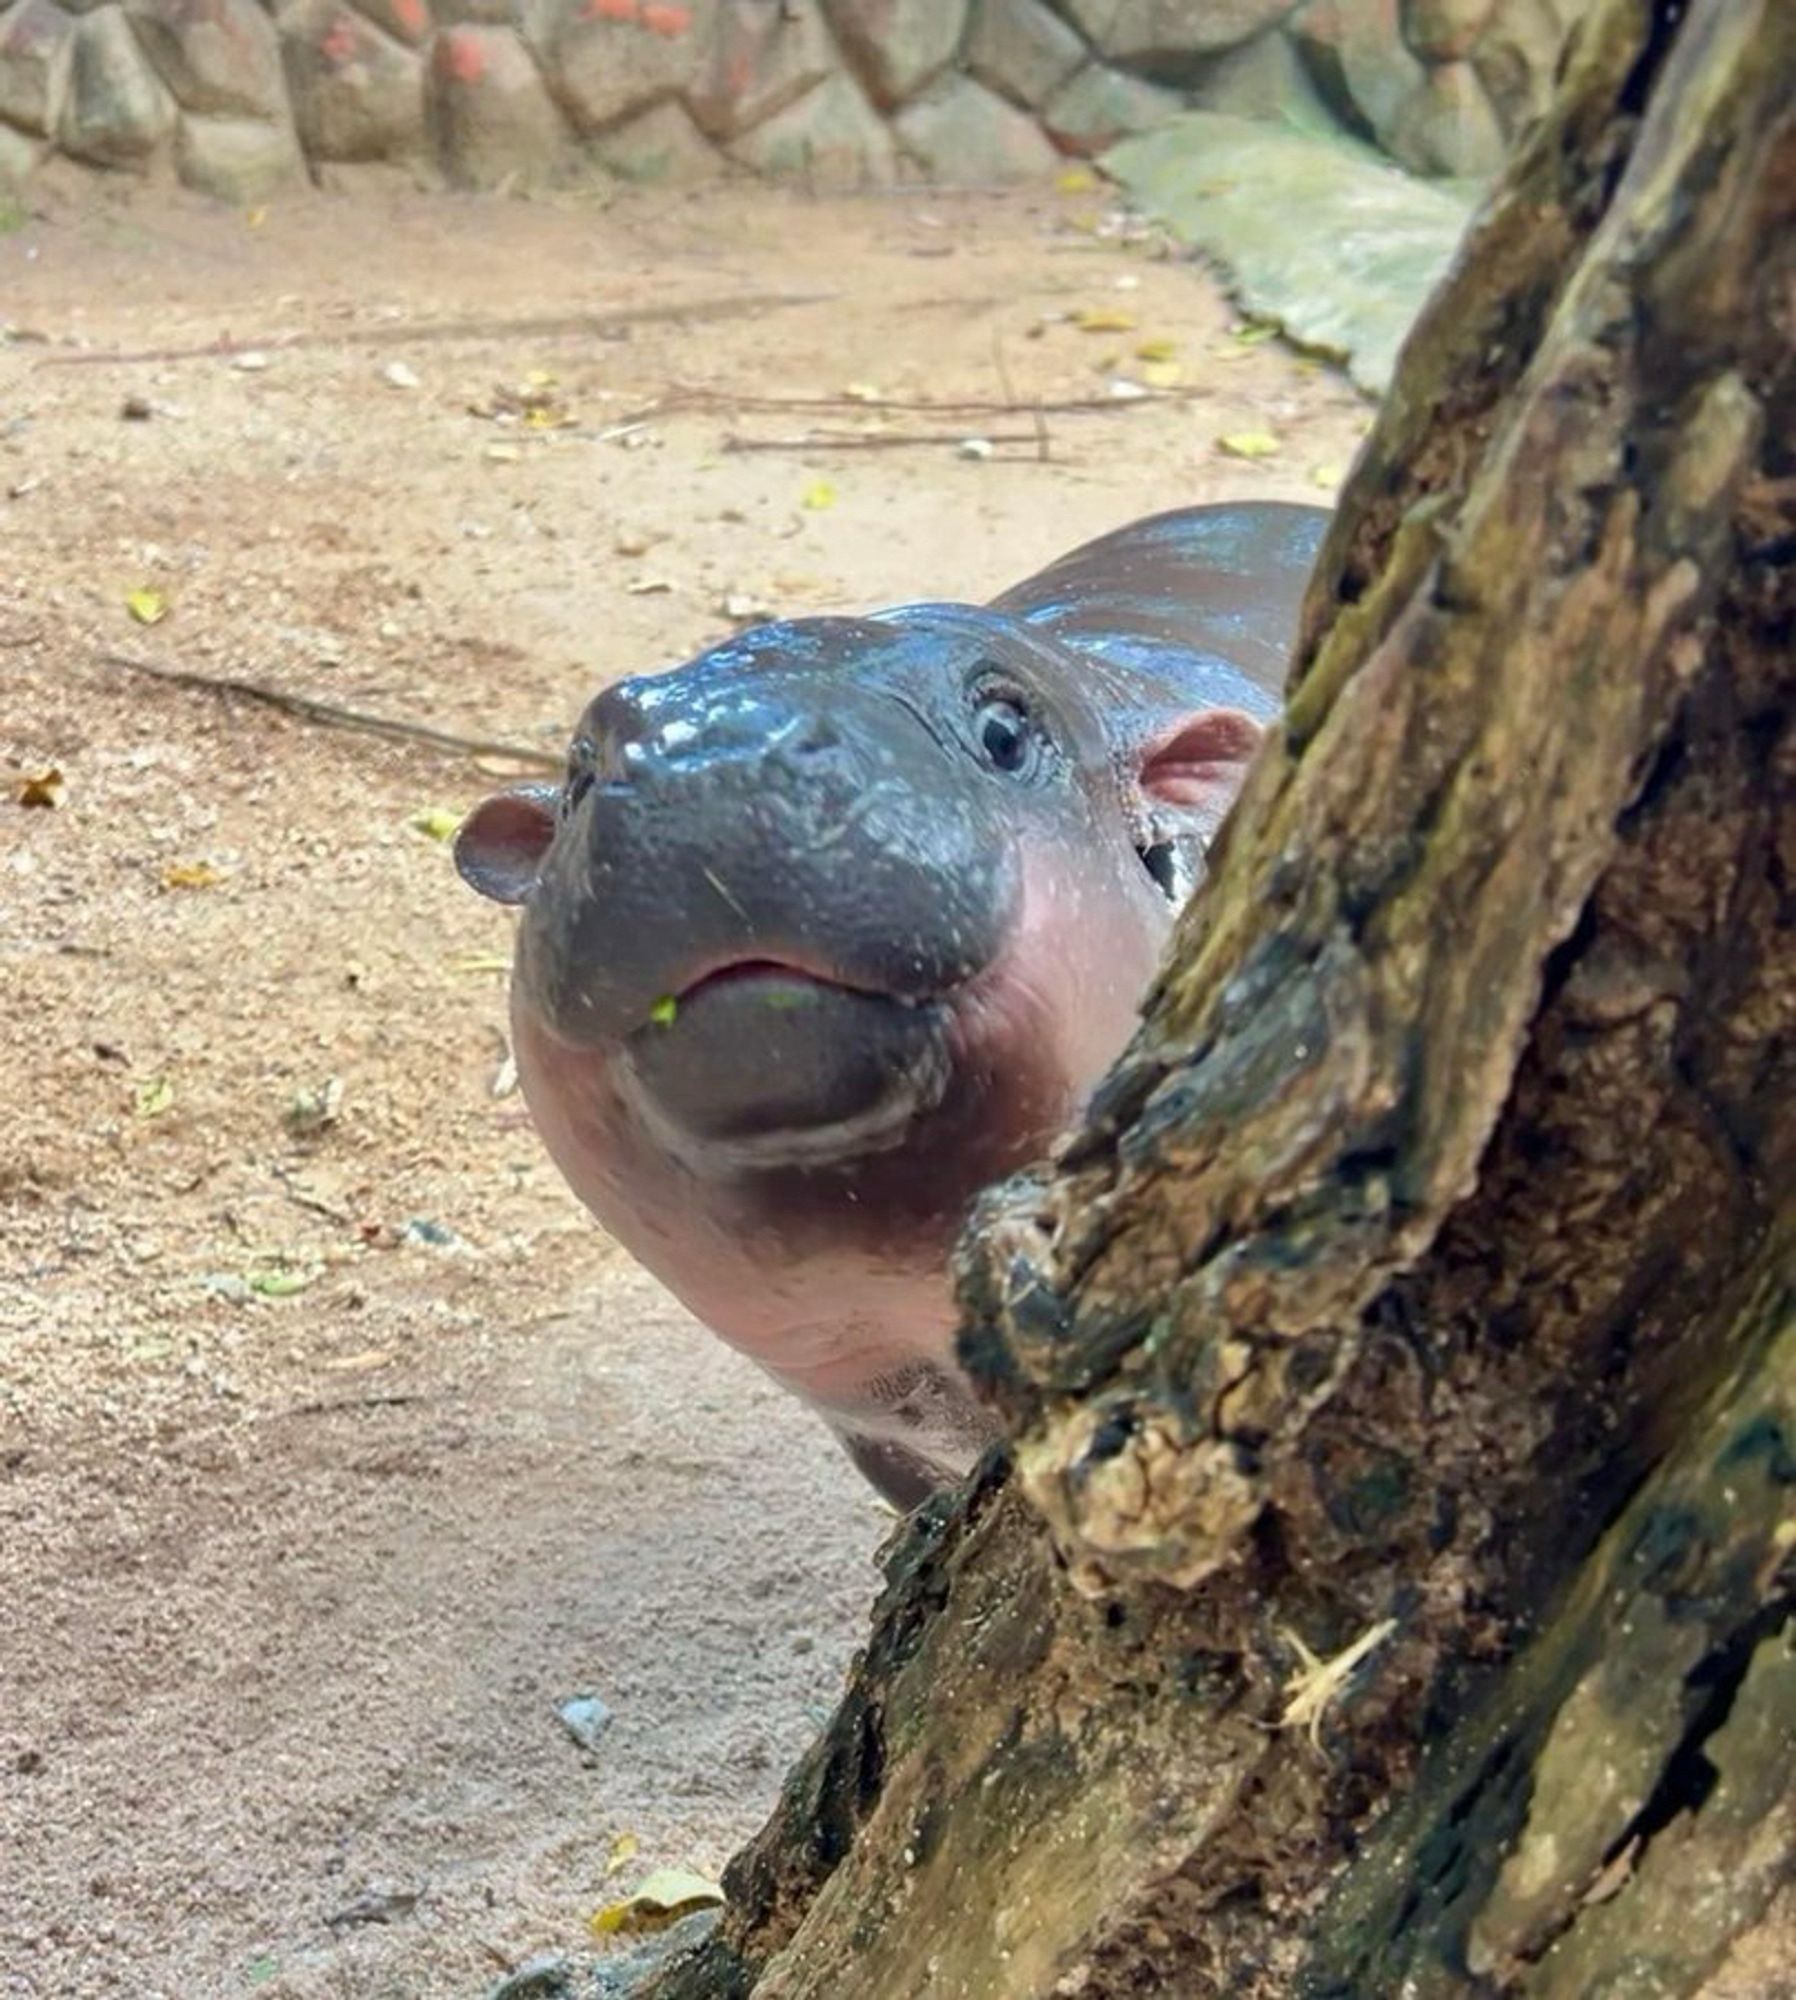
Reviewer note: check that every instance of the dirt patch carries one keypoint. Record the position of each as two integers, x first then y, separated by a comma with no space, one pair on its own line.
330,1462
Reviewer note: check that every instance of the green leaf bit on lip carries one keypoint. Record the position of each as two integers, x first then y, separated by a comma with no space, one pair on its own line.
664,1010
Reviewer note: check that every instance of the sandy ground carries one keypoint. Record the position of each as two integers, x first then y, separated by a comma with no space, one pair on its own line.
293,1578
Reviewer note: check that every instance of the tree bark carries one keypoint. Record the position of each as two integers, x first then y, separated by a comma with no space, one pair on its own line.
1389,1589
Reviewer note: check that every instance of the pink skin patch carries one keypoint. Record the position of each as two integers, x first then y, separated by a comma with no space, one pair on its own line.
461,58
412,15
670,22
610,10
340,43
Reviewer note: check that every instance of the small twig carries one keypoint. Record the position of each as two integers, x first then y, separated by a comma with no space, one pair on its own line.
303,1198
968,406
331,715
541,326
1311,1691
377,1907
936,191
872,441
613,433
1003,368
325,1407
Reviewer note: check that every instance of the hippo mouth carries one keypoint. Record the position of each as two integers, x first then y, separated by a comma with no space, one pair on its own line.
778,982
758,1062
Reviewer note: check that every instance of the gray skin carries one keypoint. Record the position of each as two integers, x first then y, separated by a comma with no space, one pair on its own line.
840,921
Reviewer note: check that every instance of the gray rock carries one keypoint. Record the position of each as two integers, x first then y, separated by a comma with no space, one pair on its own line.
661,147
1516,58
605,70
357,94
760,59
585,1718
1444,30
36,43
1264,78
19,153
831,138
1102,105
118,110
1448,127
1020,48
426,1232
620,1975
898,45
1324,236
407,21
625,1975
239,160
960,131
1093,16
214,55
1359,60
547,1976
1167,33
490,110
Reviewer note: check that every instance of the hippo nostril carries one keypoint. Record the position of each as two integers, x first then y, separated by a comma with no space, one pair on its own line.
610,758
808,736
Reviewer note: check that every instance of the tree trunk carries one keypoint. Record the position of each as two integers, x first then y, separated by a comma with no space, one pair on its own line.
1391,1589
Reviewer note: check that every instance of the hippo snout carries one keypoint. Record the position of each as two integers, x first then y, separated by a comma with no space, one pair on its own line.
760,902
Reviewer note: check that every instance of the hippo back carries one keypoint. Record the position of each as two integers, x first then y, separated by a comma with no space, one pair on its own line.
1194,595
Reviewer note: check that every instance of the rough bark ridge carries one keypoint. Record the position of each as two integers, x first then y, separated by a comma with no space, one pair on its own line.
1419,1297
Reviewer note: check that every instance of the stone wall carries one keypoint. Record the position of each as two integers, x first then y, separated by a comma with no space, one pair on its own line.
237,97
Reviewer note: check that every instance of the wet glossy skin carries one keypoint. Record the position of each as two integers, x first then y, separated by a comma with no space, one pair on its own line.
839,921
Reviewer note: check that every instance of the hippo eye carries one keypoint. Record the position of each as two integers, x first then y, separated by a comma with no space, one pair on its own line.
1003,732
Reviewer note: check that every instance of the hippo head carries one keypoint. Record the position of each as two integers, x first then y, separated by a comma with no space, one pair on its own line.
835,923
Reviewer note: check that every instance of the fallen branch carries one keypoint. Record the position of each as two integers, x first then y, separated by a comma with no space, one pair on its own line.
947,406
330,714
541,326
880,440
398,1399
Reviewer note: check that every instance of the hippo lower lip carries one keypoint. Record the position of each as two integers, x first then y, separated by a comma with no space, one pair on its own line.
779,982
832,1070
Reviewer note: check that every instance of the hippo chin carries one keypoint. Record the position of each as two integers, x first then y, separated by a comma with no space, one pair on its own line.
838,922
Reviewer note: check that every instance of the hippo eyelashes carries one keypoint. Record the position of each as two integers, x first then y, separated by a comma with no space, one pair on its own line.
1008,732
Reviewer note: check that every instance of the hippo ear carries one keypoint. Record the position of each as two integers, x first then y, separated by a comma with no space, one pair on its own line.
501,843
1196,763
